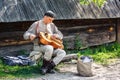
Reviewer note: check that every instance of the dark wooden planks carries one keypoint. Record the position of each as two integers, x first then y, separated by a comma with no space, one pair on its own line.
90,31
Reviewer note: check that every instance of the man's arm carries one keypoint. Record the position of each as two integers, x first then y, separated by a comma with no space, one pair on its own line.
57,32
31,32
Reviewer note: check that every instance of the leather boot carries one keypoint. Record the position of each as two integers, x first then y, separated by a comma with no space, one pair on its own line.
51,67
44,67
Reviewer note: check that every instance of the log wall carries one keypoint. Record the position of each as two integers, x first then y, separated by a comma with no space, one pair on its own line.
118,30
89,32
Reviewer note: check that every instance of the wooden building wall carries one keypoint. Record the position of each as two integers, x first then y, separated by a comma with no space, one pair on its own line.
118,30
91,24
90,32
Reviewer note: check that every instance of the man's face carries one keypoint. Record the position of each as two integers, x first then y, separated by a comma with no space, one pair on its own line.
48,19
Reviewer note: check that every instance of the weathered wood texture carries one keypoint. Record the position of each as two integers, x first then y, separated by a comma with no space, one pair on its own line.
30,10
89,32
118,30
91,36
12,33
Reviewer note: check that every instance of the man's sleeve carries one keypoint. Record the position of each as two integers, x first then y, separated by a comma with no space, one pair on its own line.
30,31
58,32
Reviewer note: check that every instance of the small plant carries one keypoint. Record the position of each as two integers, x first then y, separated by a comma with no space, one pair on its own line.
79,54
97,2
65,45
77,43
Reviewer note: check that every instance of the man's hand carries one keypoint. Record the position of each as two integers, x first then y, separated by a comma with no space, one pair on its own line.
54,36
32,37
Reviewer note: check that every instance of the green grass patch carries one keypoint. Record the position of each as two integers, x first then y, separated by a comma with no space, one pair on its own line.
103,53
13,72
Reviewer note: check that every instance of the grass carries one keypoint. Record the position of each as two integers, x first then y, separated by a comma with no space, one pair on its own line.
100,54
13,72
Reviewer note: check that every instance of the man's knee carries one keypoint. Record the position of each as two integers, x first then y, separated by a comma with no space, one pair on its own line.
35,55
49,48
62,53
48,52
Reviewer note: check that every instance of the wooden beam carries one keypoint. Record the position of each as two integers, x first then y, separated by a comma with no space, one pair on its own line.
118,30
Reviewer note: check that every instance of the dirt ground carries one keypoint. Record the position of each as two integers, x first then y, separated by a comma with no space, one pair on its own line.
69,72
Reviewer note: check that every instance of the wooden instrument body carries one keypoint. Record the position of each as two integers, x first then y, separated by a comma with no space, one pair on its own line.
46,39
